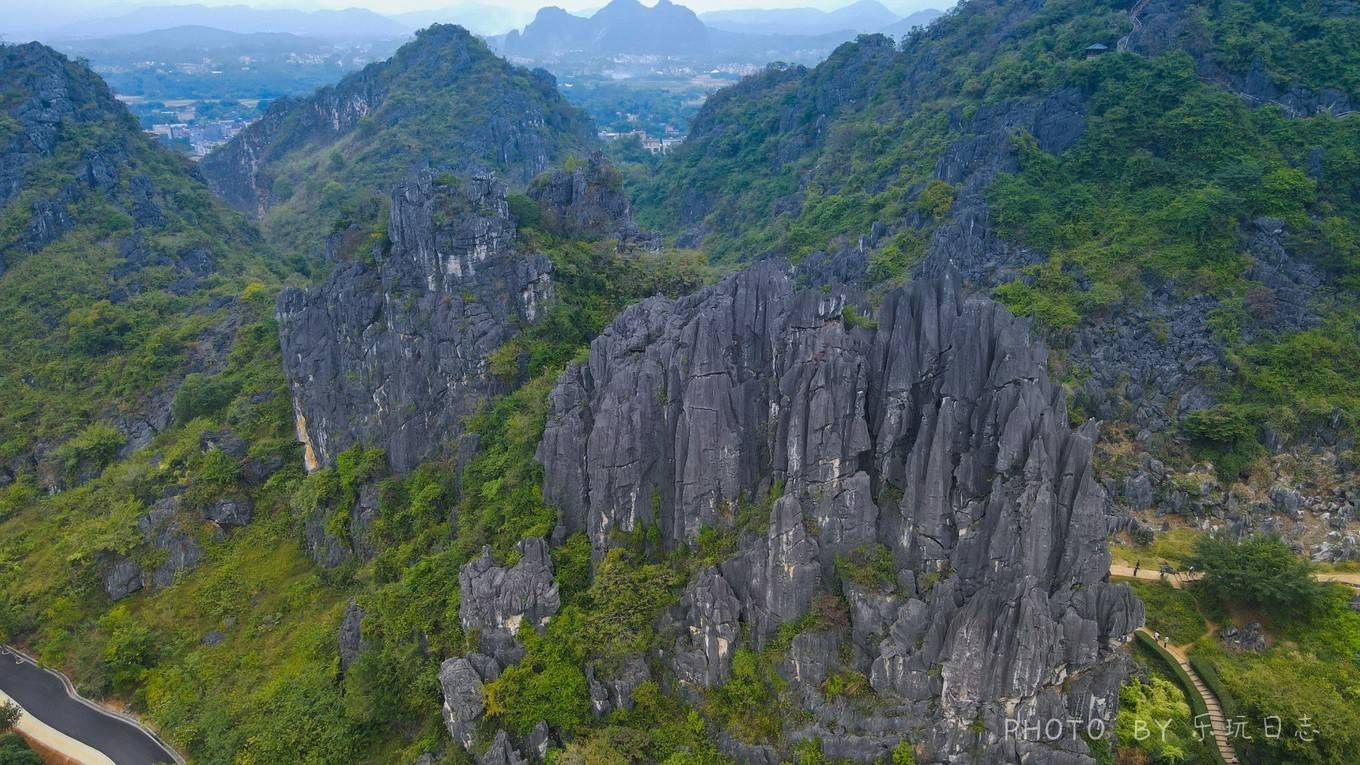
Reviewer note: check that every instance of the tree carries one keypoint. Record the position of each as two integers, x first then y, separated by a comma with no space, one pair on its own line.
1259,571
9,715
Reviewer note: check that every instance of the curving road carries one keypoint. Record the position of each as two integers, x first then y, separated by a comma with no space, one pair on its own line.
46,697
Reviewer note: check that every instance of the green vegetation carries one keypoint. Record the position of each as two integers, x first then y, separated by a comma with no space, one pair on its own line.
1170,611
1168,172
870,567
1260,572
1144,708
9,715
748,704
326,182
1173,547
1159,192
1305,678
14,750
1157,705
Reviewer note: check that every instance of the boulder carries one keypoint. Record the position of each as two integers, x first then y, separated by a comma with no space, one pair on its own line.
463,701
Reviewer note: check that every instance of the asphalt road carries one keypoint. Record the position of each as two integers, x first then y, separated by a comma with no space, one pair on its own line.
43,695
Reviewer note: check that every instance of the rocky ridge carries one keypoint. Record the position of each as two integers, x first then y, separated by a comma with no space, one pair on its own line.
933,435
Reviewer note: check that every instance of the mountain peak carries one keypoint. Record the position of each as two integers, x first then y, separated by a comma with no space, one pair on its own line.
443,101
622,26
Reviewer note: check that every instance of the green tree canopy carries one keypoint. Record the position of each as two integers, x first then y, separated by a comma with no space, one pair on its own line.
1259,571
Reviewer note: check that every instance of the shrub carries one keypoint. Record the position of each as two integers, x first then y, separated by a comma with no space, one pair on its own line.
1222,425
1151,703
92,449
870,567
936,198
749,703
524,210
1170,611
99,328
129,648
854,319
14,750
201,396
547,685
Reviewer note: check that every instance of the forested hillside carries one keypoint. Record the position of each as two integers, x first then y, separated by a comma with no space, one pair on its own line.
122,274
323,164
450,445
1218,159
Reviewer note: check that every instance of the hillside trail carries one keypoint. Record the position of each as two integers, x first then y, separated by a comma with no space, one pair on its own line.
1218,723
1134,13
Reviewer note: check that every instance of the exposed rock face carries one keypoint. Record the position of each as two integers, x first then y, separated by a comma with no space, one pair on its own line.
230,511
350,637
966,242
330,550
165,529
394,354
122,577
935,434
502,752
49,89
496,600
1166,25
610,690
709,620
778,574
464,704
588,202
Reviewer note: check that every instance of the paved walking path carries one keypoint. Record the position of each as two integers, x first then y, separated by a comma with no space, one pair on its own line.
1217,721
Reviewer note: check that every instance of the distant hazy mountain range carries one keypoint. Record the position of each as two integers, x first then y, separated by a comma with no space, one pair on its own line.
478,18
350,23
863,16
629,27
196,40
621,27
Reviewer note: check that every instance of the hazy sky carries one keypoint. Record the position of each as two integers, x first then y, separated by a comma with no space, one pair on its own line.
96,8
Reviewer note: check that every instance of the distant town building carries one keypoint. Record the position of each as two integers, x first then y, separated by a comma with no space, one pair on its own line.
649,143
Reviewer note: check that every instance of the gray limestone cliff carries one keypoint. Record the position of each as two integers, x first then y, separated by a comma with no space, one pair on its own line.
393,353
588,202
930,432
